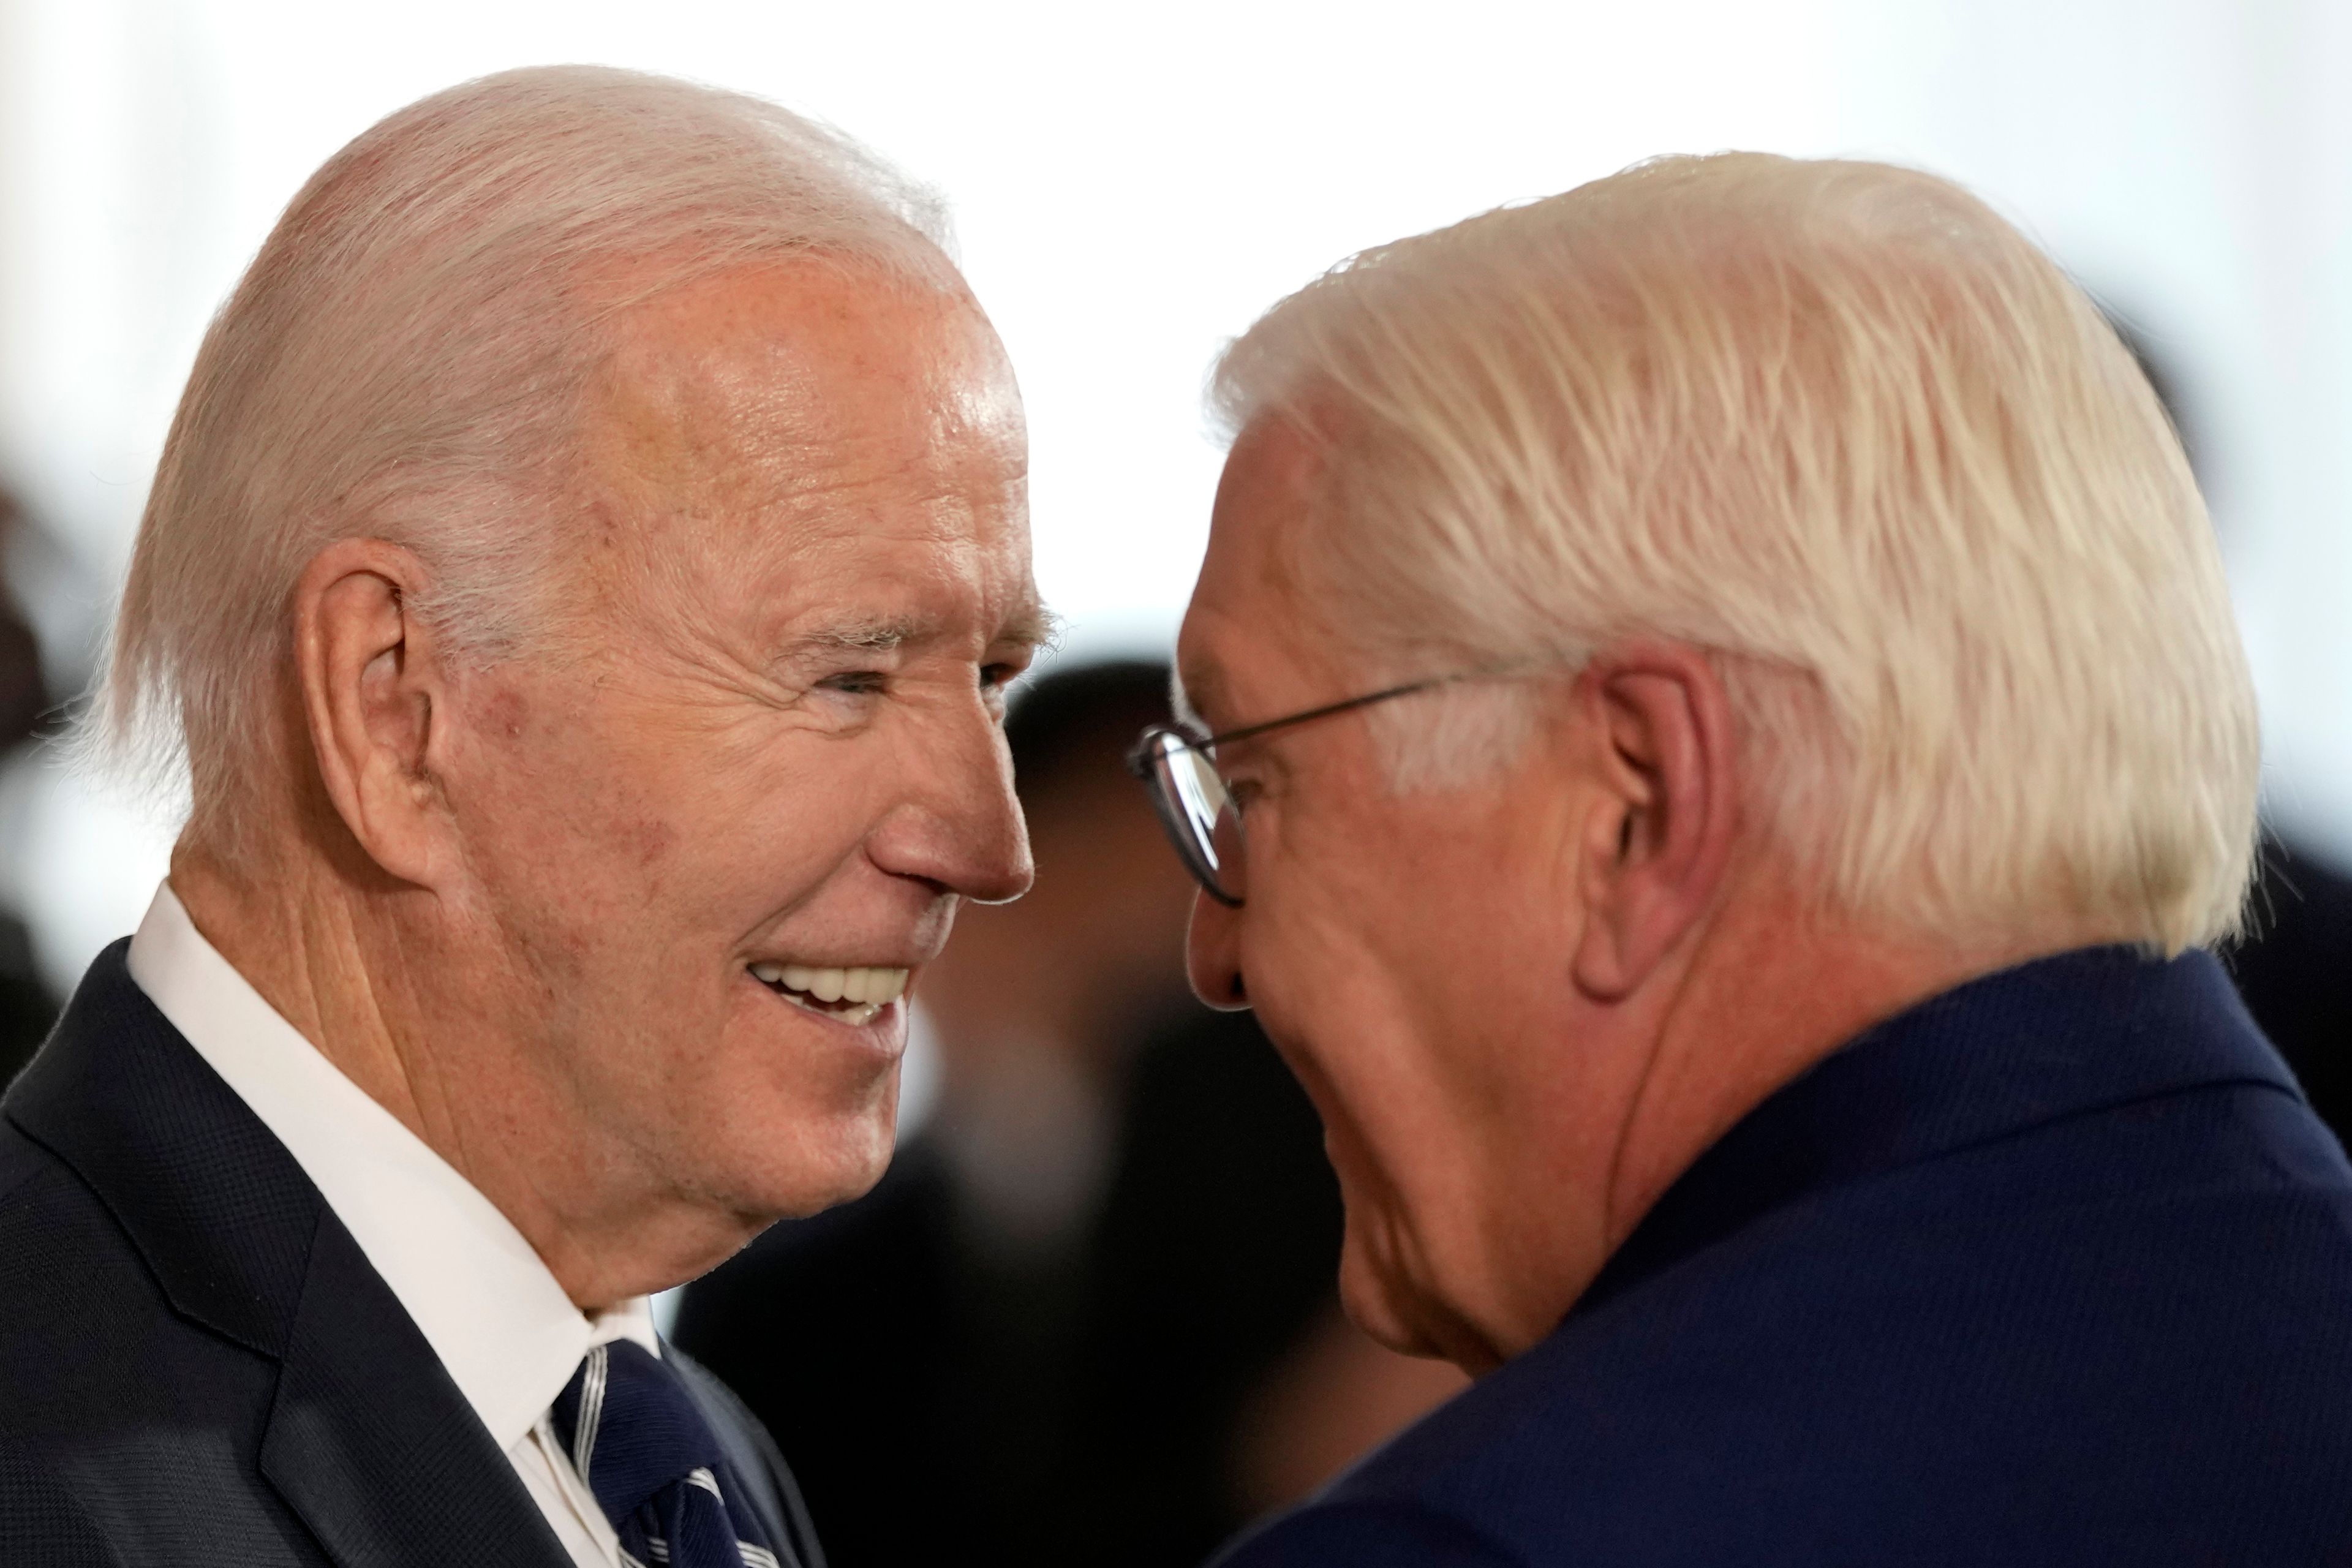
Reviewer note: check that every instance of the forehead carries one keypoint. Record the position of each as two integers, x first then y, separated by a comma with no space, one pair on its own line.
1247,642
816,413
748,386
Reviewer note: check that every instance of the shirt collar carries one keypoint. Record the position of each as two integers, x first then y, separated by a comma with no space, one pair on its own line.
2096,1027
503,1326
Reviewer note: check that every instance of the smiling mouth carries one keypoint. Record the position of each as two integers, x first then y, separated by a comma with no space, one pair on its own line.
854,995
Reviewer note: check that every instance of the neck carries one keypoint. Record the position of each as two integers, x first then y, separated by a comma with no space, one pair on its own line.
1776,986
334,958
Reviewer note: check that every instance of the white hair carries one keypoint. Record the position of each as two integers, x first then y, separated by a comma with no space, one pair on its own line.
405,358
1844,428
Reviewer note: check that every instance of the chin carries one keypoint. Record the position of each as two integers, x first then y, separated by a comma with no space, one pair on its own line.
862,1161
1404,1313
795,1114
779,1157
1375,1303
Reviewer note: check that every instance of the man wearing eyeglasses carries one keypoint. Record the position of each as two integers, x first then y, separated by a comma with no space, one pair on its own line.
1720,747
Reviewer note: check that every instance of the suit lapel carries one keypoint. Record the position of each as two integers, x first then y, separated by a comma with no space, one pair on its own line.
368,1441
371,1443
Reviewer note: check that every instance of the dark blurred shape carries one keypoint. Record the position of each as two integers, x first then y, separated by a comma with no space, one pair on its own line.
1218,1248
26,1008
23,690
1220,1379
2293,966
2295,970
1088,1317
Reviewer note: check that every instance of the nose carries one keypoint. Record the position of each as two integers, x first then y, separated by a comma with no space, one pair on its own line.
1212,959
959,825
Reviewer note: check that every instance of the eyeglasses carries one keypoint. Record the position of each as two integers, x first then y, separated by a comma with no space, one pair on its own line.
1177,765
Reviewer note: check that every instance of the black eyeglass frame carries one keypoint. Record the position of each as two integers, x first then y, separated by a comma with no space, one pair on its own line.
1142,760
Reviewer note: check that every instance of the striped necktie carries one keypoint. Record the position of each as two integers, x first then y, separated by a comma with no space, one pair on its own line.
640,1446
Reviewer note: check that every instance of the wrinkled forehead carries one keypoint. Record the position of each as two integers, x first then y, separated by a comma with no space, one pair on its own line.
751,386
780,427
1253,629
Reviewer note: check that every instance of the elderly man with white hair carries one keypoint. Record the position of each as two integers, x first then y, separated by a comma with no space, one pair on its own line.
1719,743
581,579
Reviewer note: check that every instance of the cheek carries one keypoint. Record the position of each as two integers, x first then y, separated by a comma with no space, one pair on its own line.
657,830
618,876
1382,1103
1390,979
545,796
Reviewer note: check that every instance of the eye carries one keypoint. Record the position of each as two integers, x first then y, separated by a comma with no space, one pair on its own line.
856,682
994,678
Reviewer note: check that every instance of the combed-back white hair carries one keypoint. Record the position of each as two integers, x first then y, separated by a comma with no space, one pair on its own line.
1842,427
406,360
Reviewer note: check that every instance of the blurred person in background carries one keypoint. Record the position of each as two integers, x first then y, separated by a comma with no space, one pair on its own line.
1087,1317
1219,1379
26,1007
2295,968
581,578
1720,745
2293,964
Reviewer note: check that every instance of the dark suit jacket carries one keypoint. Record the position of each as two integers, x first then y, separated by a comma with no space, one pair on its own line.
197,1364
2056,1269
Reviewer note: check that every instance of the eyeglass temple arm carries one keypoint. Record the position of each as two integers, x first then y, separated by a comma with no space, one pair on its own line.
1249,731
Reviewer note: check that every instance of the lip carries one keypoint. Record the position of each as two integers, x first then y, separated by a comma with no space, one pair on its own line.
802,959
884,1035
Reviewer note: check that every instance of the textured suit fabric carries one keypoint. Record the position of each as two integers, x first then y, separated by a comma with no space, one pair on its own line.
201,1365
2056,1269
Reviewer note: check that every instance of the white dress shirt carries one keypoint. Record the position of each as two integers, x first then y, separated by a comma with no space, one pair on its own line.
505,1330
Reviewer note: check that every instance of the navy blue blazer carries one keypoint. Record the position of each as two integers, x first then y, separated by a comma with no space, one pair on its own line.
197,1364
2055,1269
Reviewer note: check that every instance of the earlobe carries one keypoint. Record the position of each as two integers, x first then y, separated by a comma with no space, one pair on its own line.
370,687
1605,967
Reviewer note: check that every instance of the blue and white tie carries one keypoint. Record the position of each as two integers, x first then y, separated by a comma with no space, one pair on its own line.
643,1448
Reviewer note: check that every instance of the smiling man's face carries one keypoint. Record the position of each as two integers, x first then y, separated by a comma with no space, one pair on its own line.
717,828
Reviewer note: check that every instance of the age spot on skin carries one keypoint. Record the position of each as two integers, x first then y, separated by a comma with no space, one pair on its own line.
505,711
649,839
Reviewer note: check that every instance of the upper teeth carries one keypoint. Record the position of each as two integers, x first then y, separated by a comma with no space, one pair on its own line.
869,985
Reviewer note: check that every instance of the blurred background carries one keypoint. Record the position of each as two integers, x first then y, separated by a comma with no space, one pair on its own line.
1093,1290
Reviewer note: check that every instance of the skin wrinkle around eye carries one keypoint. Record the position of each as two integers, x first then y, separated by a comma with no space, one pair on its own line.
738,659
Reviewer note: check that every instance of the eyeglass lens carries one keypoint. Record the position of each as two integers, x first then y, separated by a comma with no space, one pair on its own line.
1200,814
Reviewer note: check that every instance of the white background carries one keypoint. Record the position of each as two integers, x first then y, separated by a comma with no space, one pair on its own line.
1134,182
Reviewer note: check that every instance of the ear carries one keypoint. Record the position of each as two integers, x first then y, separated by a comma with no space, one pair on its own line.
1655,849
374,701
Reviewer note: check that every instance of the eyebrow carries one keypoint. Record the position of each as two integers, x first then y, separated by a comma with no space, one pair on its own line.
881,636
1188,690
1031,625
